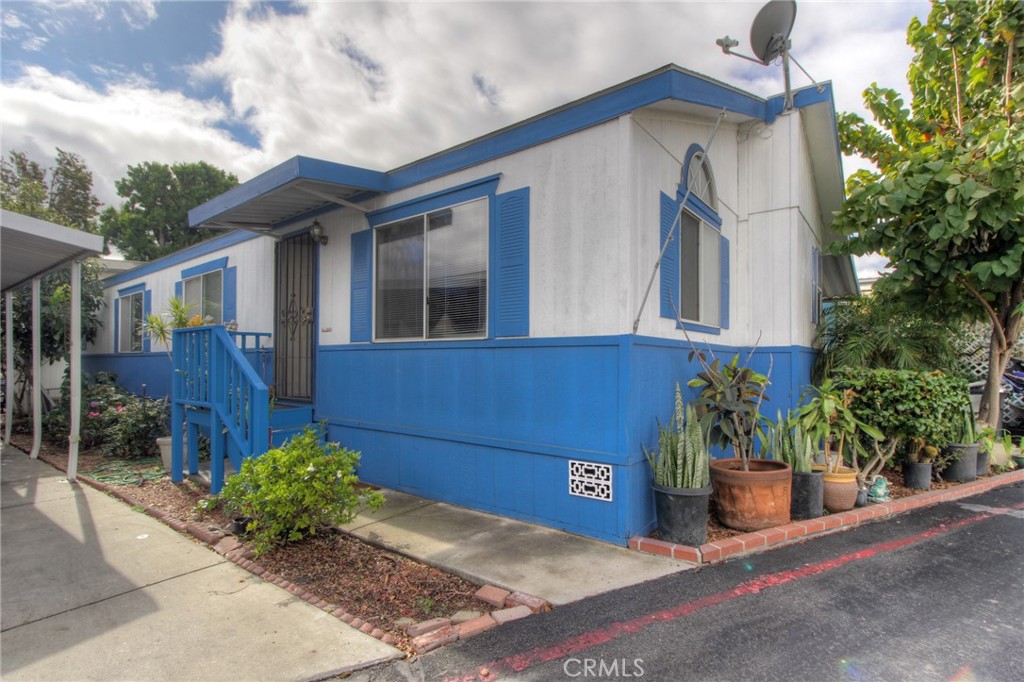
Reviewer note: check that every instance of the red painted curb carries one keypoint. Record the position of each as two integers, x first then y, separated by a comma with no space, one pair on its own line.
770,538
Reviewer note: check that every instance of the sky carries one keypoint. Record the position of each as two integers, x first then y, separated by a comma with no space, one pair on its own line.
246,85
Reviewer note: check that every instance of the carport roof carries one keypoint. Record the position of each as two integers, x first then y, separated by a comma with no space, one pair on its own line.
33,247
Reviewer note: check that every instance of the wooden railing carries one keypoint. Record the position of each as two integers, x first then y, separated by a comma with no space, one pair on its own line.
215,386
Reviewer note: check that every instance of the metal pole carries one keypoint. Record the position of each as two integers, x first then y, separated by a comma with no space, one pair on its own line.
785,76
37,370
9,368
75,361
668,240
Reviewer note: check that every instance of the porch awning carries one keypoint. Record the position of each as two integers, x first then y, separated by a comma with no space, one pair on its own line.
286,193
33,247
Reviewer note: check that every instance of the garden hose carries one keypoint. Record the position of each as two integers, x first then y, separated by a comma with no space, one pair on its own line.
128,473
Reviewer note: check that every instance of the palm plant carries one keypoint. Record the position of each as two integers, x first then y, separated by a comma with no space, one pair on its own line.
825,415
880,332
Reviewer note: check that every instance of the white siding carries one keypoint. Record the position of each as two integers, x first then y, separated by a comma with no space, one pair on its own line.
255,262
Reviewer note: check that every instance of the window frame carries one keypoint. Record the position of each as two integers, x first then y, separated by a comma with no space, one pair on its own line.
202,292
702,204
423,215
124,317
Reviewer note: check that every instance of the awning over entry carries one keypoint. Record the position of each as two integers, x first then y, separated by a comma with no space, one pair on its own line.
288,192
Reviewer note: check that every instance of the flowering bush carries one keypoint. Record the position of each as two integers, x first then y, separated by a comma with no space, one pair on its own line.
135,426
293,491
102,400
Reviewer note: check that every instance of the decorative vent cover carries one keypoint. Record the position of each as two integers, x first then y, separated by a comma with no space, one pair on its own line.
587,479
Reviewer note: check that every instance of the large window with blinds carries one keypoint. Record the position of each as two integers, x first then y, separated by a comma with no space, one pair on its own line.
431,275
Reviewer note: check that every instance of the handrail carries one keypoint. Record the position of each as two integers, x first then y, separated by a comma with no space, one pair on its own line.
243,339
211,372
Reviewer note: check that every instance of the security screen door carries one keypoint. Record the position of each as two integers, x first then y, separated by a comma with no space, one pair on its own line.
295,313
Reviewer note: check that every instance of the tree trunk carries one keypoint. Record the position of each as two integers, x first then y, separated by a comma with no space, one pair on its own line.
1000,351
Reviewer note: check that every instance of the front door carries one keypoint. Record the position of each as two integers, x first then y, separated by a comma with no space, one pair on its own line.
295,327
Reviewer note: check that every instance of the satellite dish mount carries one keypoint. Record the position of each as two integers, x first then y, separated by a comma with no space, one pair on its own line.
769,39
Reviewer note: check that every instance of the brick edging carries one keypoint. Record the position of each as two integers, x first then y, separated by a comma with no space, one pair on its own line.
512,606
770,538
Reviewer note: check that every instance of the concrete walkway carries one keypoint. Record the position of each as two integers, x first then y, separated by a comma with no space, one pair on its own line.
484,548
92,590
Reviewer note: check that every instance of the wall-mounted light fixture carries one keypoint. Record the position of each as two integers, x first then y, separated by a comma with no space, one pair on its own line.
316,231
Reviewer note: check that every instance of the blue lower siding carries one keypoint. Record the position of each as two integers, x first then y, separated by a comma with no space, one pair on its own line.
492,424
133,370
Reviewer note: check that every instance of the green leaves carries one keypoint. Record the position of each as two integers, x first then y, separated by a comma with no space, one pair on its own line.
296,490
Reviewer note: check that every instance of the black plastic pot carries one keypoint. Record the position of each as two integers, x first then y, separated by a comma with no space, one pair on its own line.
862,498
965,468
982,463
917,475
807,496
1018,460
238,524
682,514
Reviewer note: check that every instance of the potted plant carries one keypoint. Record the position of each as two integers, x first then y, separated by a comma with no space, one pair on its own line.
681,484
160,328
789,444
750,493
826,416
959,460
917,467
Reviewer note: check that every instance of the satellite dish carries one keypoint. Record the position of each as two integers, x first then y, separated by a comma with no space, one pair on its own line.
769,34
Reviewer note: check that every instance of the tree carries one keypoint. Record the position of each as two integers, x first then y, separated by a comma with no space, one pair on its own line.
67,198
153,219
946,205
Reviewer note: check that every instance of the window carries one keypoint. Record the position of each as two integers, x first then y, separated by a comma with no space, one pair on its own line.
701,182
130,323
700,271
204,296
431,274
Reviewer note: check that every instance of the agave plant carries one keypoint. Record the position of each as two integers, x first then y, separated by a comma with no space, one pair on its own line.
682,457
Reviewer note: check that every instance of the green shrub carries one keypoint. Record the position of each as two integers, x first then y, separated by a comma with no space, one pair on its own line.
135,426
100,397
297,489
920,408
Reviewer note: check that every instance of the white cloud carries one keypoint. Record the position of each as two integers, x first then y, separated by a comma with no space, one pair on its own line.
138,14
379,85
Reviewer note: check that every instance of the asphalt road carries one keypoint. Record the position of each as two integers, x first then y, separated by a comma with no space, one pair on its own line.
935,594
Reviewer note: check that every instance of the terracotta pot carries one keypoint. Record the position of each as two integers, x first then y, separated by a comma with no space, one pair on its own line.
755,499
840,490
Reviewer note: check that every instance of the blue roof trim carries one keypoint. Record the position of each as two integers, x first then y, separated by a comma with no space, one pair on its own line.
179,257
295,168
665,83
486,186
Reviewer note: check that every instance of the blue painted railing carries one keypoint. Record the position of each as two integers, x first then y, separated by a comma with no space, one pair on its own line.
242,339
216,387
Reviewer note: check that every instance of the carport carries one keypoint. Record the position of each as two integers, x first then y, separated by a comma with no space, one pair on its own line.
32,248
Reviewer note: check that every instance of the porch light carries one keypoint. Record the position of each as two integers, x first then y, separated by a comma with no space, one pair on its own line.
316,231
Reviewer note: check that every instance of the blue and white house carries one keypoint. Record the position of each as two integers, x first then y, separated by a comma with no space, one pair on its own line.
475,322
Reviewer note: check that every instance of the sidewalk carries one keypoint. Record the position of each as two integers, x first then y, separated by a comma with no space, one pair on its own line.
92,589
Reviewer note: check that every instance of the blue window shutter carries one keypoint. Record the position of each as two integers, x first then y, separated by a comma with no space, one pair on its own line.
362,271
670,261
179,291
512,271
723,251
117,324
147,310
230,293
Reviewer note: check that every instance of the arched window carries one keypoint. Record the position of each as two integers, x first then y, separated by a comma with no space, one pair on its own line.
700,181
695,278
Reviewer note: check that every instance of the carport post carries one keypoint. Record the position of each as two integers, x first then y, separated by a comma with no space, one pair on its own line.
75,362
9,368
37,370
